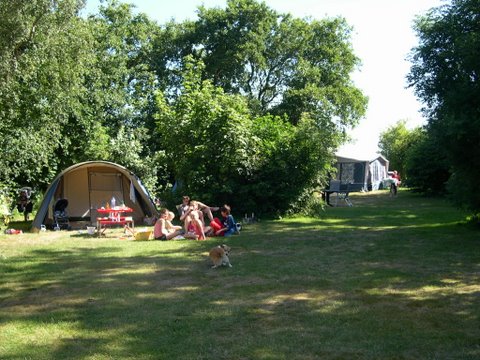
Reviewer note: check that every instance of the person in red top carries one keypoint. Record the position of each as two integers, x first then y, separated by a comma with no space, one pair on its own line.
395,184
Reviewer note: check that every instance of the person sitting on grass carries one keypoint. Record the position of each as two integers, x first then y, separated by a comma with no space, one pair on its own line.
191,217
205,209
198,222
169,225
227,226
161,228
173,228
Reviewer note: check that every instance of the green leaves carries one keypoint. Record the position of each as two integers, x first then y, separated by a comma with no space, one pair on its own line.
204,133
39,68
445,76
394,144
72,88
221,153
282,64
242,103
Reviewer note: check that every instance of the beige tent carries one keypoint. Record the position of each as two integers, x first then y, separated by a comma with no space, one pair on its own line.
90,185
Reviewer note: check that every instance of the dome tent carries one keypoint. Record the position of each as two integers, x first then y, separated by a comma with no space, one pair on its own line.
90,185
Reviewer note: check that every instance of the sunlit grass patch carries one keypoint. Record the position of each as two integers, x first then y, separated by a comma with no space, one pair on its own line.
386,278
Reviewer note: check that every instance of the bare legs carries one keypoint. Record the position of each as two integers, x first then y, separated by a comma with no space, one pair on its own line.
195,218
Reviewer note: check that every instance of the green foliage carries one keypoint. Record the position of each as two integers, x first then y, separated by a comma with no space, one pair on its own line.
221,154
313,206
288,70
120,91
394,144
426,164
253,103
293,162
127,149
42,104
445,76
39,70
420,160
71,85
205,134
266,189
282,64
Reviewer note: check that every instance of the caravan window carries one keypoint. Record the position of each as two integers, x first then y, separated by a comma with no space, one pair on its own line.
352,173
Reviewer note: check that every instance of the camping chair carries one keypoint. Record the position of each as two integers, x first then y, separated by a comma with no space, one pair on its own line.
345,197
60,216
342,194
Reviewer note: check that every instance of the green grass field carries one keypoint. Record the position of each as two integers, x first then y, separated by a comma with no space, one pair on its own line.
390,278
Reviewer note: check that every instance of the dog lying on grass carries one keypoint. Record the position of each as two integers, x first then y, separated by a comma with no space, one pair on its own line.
219,256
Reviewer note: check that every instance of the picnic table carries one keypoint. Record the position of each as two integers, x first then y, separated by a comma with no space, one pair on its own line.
115,217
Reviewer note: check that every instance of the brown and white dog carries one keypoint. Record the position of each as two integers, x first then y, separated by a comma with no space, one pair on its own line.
219,256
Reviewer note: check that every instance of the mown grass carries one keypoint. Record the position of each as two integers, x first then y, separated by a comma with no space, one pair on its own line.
390,278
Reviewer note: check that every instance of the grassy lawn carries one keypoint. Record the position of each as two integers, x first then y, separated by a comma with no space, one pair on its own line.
390,278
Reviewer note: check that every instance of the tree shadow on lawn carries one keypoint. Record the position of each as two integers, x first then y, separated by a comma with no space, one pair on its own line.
308,288
177,307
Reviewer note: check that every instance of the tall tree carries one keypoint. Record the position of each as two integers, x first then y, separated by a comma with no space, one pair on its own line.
74,89
283,65
219,150
445,75
394,143
425,163
206,136
290,71
121,87
40,45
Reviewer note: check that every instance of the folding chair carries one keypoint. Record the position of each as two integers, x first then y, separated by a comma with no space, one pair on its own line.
342,194
345,197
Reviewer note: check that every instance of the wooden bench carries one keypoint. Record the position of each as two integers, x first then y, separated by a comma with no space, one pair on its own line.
126,221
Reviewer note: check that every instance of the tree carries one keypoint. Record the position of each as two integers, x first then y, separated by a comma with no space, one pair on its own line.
219,151
76,89
445,75
293,162
206,137
73,89
41,46
294,77
394,143
425,163
283,65
121,89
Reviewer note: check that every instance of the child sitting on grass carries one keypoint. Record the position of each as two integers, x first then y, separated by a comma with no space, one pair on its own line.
227,226
164,229
177,229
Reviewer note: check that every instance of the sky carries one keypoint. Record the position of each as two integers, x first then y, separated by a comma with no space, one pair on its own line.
382,38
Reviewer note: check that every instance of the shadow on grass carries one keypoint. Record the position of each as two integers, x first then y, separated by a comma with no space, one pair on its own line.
351,285
17,225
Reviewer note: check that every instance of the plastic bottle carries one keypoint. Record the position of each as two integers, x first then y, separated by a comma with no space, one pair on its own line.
113,202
